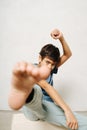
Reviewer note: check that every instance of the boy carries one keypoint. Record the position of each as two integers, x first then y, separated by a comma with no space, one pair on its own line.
32,88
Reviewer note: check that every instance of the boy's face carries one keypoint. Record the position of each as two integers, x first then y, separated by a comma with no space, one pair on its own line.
47,62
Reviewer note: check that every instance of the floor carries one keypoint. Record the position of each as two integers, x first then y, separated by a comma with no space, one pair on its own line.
6,119
7,116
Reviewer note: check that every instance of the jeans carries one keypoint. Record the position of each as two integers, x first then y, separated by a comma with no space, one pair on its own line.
46,110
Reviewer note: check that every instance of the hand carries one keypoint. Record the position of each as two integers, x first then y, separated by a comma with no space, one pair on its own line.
56,34
71,120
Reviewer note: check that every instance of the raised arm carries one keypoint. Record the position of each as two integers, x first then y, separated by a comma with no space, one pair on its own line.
70,118
57,35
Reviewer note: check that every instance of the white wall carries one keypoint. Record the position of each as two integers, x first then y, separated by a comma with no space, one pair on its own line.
25,27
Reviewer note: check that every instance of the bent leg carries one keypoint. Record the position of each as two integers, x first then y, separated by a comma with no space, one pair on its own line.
34,109
55,115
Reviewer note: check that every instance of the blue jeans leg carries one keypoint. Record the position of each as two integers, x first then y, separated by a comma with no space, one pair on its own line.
55,115
48,111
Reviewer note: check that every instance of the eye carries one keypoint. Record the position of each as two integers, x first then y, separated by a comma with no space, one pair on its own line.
47,62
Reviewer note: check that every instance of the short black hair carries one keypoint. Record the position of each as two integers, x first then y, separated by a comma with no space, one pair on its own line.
50,51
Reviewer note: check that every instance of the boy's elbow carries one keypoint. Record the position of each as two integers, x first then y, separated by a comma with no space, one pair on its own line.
70,54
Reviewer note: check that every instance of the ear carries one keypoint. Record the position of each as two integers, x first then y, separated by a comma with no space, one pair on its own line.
40,58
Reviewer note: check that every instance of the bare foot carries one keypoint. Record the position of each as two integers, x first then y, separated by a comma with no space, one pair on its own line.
26,70
24,76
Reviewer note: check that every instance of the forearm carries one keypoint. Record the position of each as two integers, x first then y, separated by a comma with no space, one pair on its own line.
58,99
54,95
71,121
66,49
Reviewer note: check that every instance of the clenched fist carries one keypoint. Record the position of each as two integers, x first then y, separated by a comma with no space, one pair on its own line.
56,34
